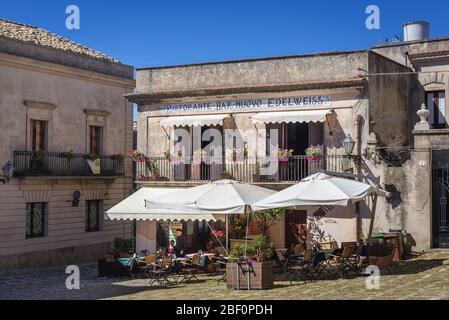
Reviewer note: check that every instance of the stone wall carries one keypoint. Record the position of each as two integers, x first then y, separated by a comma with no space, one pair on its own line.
270,71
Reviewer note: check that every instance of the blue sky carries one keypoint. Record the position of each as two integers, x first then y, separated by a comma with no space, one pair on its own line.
154,33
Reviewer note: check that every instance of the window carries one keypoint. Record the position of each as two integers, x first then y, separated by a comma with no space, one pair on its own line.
35,219
436,105
93,215
95,139
38,135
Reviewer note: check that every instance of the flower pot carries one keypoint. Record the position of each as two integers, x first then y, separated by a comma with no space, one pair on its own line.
139,159
260,276
314,158
176,160
283,159
382,262
238,159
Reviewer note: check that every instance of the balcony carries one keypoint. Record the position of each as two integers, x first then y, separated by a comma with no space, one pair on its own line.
157,170
62,164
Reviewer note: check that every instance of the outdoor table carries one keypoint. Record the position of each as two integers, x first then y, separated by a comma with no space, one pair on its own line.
204,254
181,259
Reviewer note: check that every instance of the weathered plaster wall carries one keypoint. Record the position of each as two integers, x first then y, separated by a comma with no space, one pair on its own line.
71,91
279,70
389,99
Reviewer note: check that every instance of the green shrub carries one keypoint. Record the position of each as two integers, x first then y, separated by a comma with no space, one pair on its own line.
380,249
122,245
260,248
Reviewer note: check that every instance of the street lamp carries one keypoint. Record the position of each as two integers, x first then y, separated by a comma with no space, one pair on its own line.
348,144
8,172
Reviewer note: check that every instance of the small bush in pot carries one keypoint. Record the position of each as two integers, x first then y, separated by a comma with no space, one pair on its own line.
380,254
121,247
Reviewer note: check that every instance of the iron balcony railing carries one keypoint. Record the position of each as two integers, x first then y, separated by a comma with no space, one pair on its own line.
250,169
46,164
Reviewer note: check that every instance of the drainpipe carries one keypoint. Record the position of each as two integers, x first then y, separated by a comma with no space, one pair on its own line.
358,153
358,141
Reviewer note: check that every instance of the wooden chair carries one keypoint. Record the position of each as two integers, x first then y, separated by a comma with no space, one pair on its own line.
299,270
150,264
220,268
327,245
162,271
281,255
191,269
347,260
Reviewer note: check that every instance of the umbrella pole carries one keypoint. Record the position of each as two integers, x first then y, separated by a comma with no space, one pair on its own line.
373,214
227,233
246,245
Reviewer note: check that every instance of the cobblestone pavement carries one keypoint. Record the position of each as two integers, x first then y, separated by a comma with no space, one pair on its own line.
426,277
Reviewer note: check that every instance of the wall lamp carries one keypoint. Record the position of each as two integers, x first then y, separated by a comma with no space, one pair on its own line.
8,172
348,144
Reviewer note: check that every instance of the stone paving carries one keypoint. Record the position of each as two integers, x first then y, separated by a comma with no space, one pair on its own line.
425,277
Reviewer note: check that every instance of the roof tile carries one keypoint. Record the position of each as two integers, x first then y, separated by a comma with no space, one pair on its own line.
32,34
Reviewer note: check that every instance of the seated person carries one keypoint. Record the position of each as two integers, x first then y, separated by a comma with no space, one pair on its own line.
170,249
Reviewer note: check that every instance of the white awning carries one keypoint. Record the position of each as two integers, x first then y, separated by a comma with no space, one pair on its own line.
133,207
291,116
198,120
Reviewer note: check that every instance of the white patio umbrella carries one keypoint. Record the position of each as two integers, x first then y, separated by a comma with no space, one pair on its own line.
219,197
318,189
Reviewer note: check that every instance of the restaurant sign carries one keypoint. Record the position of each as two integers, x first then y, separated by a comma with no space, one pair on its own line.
229,105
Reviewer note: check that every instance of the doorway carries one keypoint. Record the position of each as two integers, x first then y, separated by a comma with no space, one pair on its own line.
440,207
295,230
297,137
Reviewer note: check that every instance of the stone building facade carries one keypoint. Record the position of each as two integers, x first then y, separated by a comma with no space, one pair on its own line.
60,102
315,100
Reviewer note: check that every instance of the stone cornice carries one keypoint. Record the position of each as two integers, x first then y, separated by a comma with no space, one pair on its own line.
39,105
432,132
64,71
98,113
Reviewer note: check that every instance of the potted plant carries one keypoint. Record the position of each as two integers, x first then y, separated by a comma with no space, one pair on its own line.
313,153
198,156
237,154
218,237
67,155
238,228
118,157
37,161
380,253
121,247
268,218
252,257
177,157
137,156
283,155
